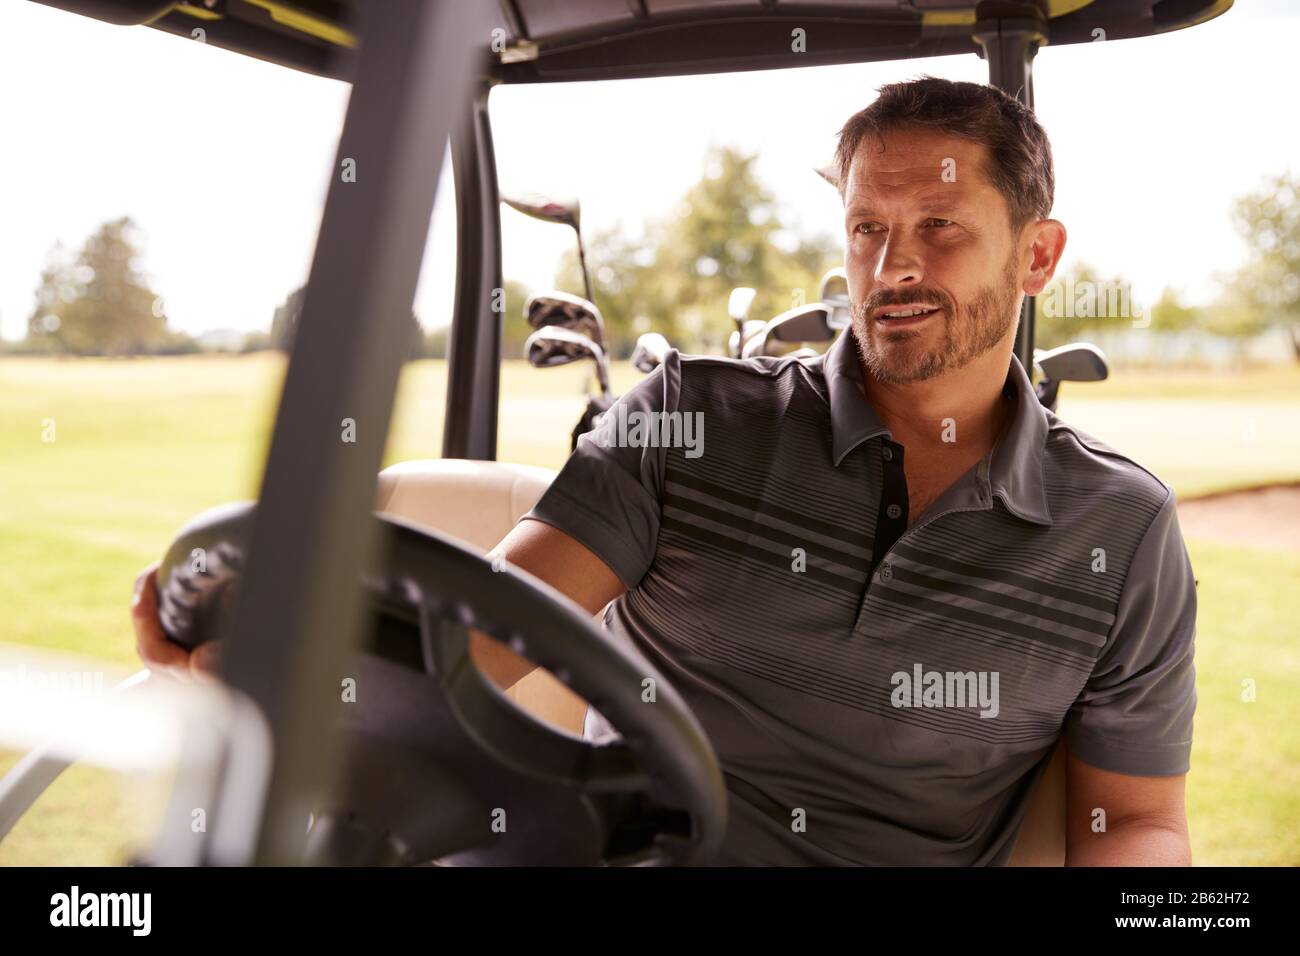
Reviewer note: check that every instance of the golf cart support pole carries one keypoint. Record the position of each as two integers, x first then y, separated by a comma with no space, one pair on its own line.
1009,35
474,345
298,615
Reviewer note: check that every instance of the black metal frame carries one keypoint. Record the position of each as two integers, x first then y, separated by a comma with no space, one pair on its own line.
297,618
1009,36
474,345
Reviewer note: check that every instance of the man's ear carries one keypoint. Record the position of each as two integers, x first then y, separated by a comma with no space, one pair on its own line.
1046,239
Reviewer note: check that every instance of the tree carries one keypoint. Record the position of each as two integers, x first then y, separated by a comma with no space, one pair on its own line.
99,303
284,325
1269,282
1234,316
1080,305
726,231
1172,314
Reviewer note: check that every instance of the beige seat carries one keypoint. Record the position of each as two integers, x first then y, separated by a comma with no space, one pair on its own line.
478,502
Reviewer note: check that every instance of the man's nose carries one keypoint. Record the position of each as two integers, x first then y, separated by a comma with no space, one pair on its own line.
899,263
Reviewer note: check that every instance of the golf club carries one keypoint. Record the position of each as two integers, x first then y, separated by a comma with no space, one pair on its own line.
565,214
805,323
738,306
566,311
648,354
835,296
554,345
828,173
1076,362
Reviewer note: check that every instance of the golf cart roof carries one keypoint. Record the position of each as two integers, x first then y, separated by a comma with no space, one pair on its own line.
558,40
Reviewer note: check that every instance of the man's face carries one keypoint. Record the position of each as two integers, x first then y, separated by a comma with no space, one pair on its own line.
927,230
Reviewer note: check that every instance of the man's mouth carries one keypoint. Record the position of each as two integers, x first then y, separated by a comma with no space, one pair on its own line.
910,314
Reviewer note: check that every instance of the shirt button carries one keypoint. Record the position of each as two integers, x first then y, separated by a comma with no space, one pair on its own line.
886,570
887,453
893,511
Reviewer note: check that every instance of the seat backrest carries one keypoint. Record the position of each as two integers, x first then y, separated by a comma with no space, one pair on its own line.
475,502
478,502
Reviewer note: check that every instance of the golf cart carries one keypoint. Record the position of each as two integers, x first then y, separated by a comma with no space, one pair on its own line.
332,575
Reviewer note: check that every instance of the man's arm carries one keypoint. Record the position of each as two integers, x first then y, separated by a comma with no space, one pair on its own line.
606,499
1145,820
562,562
1129,732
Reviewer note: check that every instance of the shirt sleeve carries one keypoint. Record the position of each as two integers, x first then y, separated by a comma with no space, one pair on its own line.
1134,716
608,494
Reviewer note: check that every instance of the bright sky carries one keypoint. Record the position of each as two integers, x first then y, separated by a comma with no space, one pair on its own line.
223,160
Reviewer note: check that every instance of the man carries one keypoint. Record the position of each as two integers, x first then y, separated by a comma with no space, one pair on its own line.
889,580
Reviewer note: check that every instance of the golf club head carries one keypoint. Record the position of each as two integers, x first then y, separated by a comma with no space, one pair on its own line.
553,345
566,213
805,323
566,311
829,174
649,352
835,296
1076,362
739,303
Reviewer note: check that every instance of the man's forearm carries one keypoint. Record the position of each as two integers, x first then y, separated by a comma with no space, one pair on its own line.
1132,843
498,663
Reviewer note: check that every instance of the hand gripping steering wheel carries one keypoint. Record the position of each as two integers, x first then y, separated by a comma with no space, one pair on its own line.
442,766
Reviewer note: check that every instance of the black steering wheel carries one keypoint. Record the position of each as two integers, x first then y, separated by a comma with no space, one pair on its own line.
442,766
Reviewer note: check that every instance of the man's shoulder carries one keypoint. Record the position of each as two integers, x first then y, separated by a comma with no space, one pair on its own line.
753,380
759,366
1091,467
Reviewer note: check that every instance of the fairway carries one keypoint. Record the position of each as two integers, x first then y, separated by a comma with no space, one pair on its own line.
104,460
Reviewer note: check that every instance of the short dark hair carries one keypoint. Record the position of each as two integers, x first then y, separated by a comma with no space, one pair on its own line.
1020,157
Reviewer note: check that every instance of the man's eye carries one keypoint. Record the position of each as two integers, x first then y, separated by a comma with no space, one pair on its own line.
939,222
866,227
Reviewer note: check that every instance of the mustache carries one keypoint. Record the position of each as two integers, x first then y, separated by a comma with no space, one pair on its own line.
886,297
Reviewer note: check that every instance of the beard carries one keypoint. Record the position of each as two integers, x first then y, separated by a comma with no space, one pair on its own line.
900,356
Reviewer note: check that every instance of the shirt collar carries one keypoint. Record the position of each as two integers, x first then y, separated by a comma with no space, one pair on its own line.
1014,466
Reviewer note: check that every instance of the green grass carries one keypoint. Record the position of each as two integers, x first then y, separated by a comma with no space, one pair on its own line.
1199,431
1243,794
142,445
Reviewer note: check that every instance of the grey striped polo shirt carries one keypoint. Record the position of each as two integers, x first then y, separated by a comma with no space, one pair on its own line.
878,693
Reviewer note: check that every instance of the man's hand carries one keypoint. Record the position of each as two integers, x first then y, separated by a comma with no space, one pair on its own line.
1145,818
157,652
533,546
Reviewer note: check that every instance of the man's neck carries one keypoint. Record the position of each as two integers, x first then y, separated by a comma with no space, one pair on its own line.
952,418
